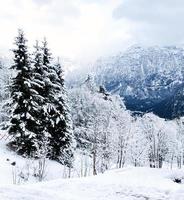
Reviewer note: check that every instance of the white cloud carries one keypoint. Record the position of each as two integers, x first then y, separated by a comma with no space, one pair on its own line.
153,22
82,29
86,29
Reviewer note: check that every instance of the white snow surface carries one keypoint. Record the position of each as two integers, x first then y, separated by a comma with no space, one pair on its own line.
129,183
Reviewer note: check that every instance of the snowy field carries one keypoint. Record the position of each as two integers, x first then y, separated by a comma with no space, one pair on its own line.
23,169
129,183
126,184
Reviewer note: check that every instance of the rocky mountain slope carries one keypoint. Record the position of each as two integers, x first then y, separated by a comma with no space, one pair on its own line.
148,78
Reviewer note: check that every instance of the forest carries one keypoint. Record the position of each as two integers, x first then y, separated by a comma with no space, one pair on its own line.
82,126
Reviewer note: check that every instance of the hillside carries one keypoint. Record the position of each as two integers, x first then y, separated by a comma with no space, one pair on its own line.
145,77
126,184
129,183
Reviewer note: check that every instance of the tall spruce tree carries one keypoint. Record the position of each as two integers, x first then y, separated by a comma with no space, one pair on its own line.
59,122
38,84
62,135
39,102
22,121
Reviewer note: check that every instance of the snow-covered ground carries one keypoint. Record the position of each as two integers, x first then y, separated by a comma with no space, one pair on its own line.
126,184
129,183
23,169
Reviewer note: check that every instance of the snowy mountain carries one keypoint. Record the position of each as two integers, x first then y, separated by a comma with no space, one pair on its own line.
146,77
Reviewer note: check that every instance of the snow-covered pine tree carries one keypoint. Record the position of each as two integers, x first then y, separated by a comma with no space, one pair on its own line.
38,83
22,122
63,134
58,123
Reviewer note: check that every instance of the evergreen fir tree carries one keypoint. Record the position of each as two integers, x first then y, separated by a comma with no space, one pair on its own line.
22,122
38,84
39,104
63,127
59,123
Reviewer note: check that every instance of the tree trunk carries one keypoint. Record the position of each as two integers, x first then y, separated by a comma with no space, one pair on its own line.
121,158
94,163
160,161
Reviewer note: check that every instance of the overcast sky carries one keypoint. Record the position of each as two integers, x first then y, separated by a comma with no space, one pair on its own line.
87,29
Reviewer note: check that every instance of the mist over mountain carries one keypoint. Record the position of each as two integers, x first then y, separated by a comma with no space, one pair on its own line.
149,79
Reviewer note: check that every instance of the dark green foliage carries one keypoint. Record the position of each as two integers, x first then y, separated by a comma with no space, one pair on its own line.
22,121
39,104
61,133
59,123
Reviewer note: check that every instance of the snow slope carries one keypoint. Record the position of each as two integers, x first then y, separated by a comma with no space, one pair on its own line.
126,184
23,166
129,183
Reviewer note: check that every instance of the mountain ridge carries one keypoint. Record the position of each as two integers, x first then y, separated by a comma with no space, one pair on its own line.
145,77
